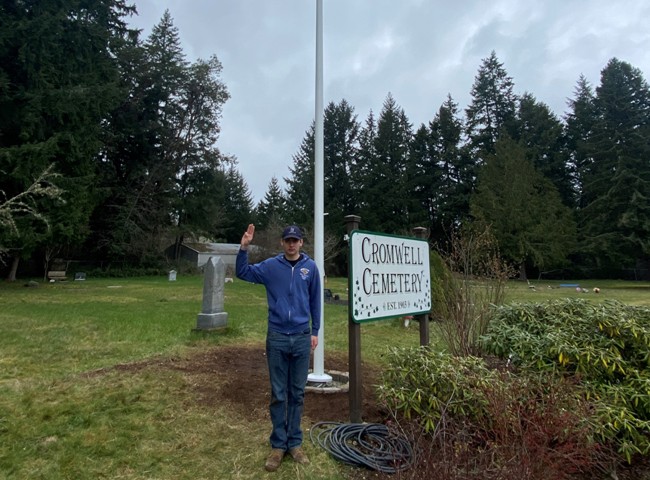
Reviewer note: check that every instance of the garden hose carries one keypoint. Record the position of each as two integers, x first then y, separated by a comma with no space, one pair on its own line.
369,445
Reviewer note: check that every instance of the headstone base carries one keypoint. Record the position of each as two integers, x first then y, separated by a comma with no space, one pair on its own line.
211,321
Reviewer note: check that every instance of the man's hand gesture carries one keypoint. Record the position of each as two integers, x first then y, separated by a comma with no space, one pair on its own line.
247,238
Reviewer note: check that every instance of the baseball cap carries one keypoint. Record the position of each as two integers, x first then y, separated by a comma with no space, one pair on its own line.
292,231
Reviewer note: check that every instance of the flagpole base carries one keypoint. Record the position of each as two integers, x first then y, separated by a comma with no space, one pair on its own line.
319,378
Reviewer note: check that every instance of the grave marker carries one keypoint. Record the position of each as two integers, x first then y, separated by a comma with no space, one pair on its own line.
212,315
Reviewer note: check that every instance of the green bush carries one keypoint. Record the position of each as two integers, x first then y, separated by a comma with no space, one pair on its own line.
606,346
423,384
514,424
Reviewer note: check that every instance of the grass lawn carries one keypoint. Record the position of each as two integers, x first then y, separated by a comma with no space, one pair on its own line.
66,413
631,293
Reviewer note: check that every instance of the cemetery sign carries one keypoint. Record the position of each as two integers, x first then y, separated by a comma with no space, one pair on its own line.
389,276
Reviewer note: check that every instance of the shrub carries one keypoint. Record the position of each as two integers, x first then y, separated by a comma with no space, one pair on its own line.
487,422
424,385
604,345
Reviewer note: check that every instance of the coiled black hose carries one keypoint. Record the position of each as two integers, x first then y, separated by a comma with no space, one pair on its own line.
369,445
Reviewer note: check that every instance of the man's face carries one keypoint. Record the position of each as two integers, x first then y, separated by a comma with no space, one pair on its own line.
292,248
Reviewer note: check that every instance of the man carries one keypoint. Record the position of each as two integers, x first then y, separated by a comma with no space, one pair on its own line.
293,286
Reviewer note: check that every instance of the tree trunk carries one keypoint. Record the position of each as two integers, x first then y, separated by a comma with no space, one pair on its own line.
522,271
49,253
14,268
177,247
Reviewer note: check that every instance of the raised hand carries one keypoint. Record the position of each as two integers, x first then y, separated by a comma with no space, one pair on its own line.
247,238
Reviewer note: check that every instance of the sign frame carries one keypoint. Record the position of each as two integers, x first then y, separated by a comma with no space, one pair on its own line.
411,304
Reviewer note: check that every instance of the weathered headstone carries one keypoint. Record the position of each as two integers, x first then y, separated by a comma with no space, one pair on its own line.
212,315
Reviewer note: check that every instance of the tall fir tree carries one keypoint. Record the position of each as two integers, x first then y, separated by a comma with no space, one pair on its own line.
423,177
341,144
271,211
237,206
340,132
615,220
452,191
167,72
137,165
364,161
300,184
492,108
385,196
205,208
579,124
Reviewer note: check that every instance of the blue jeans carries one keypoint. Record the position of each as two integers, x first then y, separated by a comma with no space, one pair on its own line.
288,361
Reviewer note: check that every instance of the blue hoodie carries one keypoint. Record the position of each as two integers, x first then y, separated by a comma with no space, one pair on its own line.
293,293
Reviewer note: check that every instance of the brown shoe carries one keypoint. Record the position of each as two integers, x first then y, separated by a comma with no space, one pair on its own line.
299,456
274,460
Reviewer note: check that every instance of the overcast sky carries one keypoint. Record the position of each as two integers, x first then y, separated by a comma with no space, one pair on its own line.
418,50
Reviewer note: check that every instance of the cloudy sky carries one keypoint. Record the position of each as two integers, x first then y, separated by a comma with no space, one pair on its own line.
418,50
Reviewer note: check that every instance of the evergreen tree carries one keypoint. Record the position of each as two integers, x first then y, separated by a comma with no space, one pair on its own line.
616,217
423,178
58,80
138,169
119,223
451,191
300,185
340,136
579,126
237,206
165,75
160,149
193,148
206,207
364,161
271,210
492,109
385,195
523,210
542,134
341,143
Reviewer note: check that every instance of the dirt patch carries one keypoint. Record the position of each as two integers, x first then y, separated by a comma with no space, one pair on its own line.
238,376
242,380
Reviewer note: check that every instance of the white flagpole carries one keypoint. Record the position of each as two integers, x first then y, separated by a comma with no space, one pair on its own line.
318,374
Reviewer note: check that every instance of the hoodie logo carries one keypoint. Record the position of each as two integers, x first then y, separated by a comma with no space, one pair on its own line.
304,272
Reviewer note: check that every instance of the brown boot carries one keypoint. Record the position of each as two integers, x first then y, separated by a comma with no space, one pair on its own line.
274,460
299,456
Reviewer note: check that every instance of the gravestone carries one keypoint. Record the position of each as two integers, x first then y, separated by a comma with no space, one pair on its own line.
212,315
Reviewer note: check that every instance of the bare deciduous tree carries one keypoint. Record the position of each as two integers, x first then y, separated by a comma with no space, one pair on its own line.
472,280
24,203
